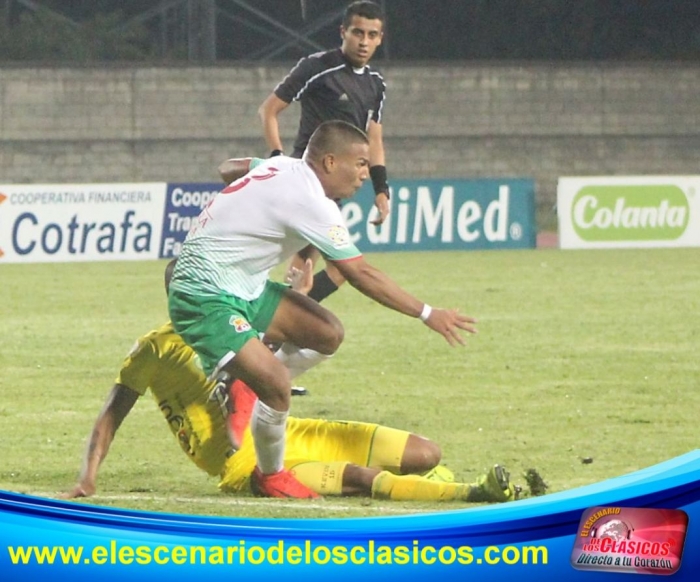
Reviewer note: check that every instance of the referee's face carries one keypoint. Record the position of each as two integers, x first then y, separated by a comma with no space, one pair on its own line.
346,171
360,39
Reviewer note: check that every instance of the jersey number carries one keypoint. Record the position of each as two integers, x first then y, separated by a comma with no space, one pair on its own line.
204,216
236,186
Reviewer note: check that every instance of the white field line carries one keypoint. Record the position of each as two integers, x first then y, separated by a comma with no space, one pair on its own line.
328,503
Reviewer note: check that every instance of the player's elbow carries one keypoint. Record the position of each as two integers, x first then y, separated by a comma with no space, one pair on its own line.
233,169
225,171
270,108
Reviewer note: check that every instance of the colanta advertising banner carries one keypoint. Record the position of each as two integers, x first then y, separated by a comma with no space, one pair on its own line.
630,211
80,222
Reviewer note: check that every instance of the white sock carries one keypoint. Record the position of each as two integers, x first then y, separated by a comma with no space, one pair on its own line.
298,360
268,428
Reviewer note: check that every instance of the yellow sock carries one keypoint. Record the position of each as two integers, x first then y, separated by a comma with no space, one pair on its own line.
386,485
323,478
388,446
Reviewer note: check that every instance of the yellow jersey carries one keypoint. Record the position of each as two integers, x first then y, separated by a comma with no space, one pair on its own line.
161,361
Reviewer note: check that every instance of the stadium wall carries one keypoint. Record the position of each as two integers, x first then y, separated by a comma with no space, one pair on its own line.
451,121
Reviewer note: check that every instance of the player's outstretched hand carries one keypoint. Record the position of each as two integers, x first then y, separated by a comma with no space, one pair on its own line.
301,280
449,322
80,490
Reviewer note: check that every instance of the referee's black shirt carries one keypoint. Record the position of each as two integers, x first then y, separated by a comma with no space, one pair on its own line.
328,88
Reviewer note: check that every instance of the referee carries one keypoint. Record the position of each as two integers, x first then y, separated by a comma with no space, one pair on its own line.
337,84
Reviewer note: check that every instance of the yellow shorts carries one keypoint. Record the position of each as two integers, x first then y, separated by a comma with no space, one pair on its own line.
325,441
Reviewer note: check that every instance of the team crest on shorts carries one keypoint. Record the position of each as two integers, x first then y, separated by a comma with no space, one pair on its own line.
240,324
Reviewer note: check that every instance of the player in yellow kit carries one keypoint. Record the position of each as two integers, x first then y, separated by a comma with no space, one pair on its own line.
329,457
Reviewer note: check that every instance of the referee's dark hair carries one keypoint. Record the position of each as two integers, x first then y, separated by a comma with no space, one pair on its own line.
365,9
333,137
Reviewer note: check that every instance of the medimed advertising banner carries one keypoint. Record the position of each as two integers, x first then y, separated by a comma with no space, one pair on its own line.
446,215
80,222
425,215
629,212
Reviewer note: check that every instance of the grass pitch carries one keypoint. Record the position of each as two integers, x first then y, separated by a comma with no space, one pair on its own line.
585,368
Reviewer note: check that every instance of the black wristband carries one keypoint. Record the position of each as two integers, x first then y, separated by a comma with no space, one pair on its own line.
323,286
274,153
378,175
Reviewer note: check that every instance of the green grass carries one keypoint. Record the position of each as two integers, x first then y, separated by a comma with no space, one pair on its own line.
579,354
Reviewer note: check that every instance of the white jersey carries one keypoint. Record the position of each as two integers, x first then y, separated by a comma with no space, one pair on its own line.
256,223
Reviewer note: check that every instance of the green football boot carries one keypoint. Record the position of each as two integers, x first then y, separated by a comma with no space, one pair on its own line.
493,487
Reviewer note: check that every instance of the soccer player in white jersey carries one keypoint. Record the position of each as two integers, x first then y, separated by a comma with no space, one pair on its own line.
221,299
210,422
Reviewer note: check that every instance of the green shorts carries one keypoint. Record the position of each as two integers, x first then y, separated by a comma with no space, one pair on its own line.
217,327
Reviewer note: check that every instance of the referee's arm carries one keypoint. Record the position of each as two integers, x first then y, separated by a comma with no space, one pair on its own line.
268,111
376,158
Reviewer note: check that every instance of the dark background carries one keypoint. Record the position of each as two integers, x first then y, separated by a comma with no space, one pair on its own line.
417,30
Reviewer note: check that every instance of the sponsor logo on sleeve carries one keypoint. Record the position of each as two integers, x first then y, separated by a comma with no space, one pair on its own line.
339,236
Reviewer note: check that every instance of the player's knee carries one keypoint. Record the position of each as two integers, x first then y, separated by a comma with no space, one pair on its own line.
273,388
431,454
421,455
333,336
338,335
278,399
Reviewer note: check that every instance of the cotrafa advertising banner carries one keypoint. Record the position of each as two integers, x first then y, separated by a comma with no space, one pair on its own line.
80,222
